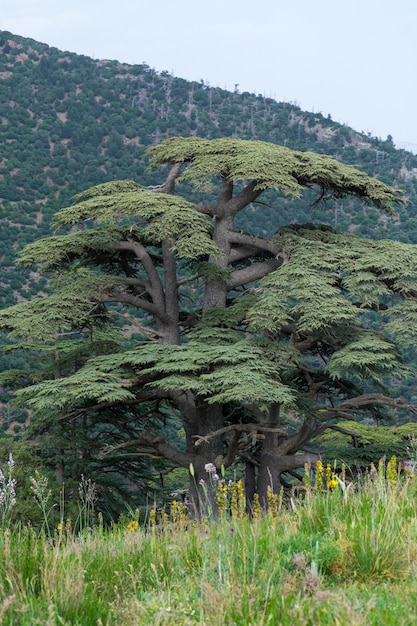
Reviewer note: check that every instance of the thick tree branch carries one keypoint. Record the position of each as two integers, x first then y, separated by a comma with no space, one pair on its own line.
156,289
157,443
241,200
171,331
253,243
239,428
344,431
240,254
139,303
285,462
364,400
135,282
143,395
299,439
226,192
252,273
169,184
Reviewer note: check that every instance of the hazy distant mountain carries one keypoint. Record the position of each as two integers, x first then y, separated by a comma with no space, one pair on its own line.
68,122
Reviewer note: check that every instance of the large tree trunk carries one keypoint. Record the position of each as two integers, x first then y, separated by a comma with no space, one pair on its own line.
216,289
202,419
273,465
268,473
279,455
169,327
209,418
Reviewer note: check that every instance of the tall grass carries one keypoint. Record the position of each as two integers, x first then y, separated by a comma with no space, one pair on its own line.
335,554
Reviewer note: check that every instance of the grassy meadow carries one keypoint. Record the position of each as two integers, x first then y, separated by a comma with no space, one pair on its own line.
334,552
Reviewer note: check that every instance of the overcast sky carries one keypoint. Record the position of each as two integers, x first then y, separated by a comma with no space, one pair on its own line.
354,59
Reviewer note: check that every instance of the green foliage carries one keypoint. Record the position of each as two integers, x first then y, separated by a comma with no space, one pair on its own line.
87,384
59,250
271,167
164,217
42,318
119,204
358,445
26,462
218,369
109,188
325,285
367,355
240,371
401,322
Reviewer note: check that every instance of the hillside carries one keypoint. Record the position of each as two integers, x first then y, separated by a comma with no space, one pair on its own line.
68,122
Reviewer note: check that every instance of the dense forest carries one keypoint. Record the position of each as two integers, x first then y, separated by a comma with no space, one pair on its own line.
69,122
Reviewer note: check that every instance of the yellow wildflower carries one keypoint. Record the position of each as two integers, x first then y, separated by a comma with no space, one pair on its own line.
328,473
333,482
133,526
221,496
392,470
319,476
241,498
257,511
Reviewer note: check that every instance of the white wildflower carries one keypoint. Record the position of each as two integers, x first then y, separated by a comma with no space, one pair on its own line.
7,491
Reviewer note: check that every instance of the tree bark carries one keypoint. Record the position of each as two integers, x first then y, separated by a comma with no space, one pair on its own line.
269,473
200,420
216,288
170,327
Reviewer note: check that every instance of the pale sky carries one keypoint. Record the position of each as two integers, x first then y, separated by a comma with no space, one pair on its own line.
354,59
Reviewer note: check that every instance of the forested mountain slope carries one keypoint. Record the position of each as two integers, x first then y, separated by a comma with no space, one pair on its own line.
68,122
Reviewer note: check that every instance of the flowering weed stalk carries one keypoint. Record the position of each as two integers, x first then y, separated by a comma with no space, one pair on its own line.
392,471
7,491
88,496
178,514
274,501
319,477
42,493
236,498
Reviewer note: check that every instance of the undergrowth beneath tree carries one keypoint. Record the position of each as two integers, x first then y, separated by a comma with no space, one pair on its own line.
335,552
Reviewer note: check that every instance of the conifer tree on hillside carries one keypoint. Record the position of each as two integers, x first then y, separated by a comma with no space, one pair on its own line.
161,307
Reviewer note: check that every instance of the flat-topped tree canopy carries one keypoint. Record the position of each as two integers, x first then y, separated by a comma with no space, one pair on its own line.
264,165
